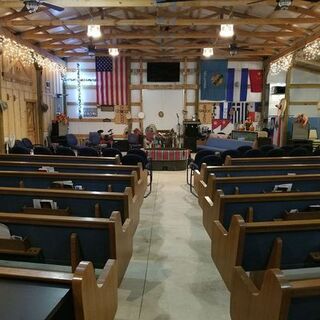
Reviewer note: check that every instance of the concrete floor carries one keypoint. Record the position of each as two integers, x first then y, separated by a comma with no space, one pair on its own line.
171,274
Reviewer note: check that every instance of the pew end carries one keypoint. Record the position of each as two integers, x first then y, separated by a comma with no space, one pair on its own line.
249,303
226,247
199,175
124,243
95,299
210,211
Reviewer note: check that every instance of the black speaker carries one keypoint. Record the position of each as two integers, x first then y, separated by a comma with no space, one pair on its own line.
191,134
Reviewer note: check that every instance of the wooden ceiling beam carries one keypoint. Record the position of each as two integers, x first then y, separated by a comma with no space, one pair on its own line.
307,12
137,3
301,43
164,21
148,46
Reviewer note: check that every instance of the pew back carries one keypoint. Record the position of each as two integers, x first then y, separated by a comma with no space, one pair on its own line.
59,159
229,161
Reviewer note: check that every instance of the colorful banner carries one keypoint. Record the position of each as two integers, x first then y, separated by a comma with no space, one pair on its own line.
214,79
256,79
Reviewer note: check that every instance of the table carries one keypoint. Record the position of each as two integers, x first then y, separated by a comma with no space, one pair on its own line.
169,158
32,300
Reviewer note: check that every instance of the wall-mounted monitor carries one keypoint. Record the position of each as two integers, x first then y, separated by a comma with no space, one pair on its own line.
163,72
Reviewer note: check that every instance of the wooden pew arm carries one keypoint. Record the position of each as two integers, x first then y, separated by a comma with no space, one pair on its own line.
95,299
249,303
226,247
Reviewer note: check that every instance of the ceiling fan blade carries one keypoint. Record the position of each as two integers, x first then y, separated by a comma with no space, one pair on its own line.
24,9
52,6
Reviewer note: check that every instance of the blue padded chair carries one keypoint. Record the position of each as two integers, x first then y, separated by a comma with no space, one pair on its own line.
266,148
19,150
94,139
42,150
210,160
253,153
88,152
147,163
276,153
132,160
244,149
72,141
196,163
134,141
19,143
27,143
298,152
111,152
308,147
287,149
64,151
232,153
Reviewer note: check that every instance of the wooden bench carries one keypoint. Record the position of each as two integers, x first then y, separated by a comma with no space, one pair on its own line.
257,184
254,207
89,182
72,202
258,246
229,161
65,241
201,177
279,298
85,297
59,159
74,168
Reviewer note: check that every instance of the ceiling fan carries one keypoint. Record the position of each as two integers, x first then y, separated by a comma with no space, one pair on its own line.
283,4
33,5
234,48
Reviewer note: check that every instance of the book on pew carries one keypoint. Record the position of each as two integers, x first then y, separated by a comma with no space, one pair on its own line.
4,232
66,184
44,203
283,187
46,169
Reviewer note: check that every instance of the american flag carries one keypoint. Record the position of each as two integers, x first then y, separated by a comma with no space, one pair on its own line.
112,81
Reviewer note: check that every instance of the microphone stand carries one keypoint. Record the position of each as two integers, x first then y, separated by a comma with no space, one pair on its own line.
179,132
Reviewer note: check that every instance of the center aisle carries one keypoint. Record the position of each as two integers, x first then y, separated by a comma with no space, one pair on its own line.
171,274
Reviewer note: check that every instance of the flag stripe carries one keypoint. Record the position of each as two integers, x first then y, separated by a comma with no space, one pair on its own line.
230,85
244,84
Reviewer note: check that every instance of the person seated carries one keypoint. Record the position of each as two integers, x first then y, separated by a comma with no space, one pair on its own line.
102,139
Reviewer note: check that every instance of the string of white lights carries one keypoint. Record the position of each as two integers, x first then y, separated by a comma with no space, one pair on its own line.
312,50
27,56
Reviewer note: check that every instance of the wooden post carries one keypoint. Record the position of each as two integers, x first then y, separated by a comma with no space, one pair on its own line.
284,128
141,92
265,95
185,90
39,133
197,91
2,142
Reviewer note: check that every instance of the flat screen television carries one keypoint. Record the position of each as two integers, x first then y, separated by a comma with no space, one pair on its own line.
163,72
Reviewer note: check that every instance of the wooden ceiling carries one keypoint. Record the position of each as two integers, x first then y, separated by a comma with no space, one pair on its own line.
141,28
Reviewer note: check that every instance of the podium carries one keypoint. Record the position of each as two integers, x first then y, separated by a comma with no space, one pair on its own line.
191,133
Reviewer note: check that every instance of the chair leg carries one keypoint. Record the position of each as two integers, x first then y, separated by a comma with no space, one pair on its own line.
150,184
187,174
191,185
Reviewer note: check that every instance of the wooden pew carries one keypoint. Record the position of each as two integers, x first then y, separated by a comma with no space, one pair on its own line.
55,240
258,246
254,207
229,161
72,202
73,167
59,159
256,184
279,298
89,182
86,297
201,177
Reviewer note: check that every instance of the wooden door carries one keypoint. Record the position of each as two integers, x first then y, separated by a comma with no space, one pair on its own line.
32,121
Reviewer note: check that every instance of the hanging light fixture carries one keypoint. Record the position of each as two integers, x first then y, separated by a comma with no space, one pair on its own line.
207,52
113,52
32,5
94,31
226,30
284,4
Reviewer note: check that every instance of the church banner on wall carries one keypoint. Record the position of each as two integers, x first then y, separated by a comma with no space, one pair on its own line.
120,114
213,79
